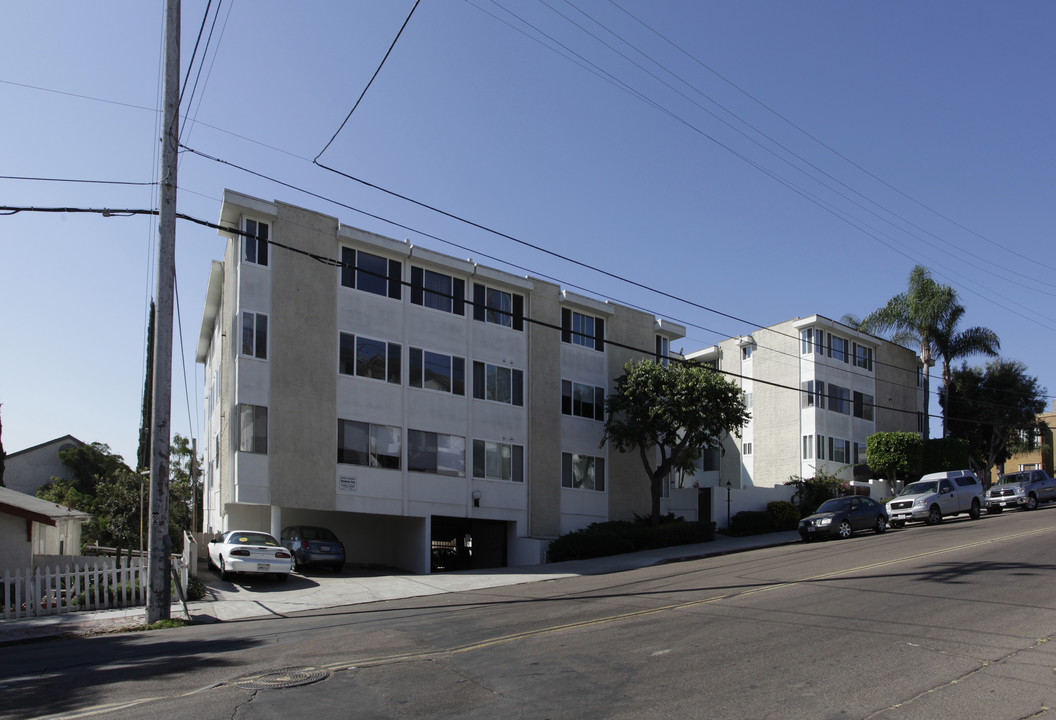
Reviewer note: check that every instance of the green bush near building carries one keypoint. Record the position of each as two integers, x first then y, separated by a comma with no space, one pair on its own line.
624,536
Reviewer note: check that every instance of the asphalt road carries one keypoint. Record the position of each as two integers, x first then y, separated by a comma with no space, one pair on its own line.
953,621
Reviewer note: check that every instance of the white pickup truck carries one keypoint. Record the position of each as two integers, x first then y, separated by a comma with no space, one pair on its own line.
935,496
1024,489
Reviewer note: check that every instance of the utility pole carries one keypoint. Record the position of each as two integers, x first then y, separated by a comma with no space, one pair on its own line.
159,598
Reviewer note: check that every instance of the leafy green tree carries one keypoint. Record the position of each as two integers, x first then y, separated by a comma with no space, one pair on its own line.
676,410
185,494
992,408
813,491
952,344
143,459
891,453
915,317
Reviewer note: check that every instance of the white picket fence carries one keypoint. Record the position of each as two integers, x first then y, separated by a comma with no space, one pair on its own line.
92,583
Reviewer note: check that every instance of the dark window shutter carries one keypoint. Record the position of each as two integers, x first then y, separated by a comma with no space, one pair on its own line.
599,403
394,377
395,280
518,312
566,397
479,300
518,387
415,359
518,464
458,290
566,325
599,334
478,458
566,470
417,282
458,373
478,381
348,267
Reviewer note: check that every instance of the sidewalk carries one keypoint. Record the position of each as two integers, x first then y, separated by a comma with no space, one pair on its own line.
226,602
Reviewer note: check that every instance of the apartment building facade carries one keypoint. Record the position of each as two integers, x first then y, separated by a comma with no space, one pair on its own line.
429,410
816,390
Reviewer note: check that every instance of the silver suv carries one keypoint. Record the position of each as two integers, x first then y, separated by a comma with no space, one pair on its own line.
935,496
1023,489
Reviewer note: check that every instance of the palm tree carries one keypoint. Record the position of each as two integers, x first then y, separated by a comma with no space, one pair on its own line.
916,316
952,345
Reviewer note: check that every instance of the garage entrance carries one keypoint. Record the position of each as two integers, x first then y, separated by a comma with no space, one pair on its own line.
467,544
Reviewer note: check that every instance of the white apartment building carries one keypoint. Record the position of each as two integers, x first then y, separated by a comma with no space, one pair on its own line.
431,411
816,390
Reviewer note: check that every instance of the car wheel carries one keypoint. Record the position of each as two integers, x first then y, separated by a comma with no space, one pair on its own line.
1032,503
934,515
898,523
224,574
881,525
282,577
845,530
973,512
294,565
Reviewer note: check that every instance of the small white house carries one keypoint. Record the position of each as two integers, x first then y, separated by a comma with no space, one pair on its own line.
31,527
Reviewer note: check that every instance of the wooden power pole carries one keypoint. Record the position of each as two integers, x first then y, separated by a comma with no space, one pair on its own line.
159,546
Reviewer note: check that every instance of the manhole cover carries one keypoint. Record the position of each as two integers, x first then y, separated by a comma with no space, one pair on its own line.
281,678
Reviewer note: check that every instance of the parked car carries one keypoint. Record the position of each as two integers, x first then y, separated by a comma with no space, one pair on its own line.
935,496
1021,489
842,516
312,545
251,552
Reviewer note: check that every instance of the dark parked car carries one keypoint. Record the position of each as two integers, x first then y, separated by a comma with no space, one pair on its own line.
312,545
841,517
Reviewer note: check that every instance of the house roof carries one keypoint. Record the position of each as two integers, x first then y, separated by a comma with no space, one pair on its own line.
32,508
63,439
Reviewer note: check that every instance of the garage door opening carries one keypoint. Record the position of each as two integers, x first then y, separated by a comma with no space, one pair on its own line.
467,544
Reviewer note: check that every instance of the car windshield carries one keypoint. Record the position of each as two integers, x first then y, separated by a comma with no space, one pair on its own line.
251,538
919,488
1013,479
833,505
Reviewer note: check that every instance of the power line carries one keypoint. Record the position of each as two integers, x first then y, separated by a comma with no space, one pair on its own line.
369,82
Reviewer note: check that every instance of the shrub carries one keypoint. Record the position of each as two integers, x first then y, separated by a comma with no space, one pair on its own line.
783,515
195,588
750,522
811,492
622,536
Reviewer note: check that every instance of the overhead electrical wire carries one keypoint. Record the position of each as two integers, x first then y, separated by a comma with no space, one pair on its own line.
337,263
822,143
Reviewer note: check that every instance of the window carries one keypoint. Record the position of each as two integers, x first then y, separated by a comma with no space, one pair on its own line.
585,330
255,335
839,399
814,394
859,453
255,243
360,443
371,273
839,450
746,352
498,307
920,376
369,358
808,447
663,350
585,401
438,291
253,429
863,357
582,472
838,349
821,447
746,448
709,460
863,406
498,461
501,384
811,341
430,452
435,371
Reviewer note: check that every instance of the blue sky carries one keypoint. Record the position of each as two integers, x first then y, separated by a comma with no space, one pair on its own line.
766,160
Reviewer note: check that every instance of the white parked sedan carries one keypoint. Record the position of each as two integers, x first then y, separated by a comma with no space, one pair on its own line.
249,551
